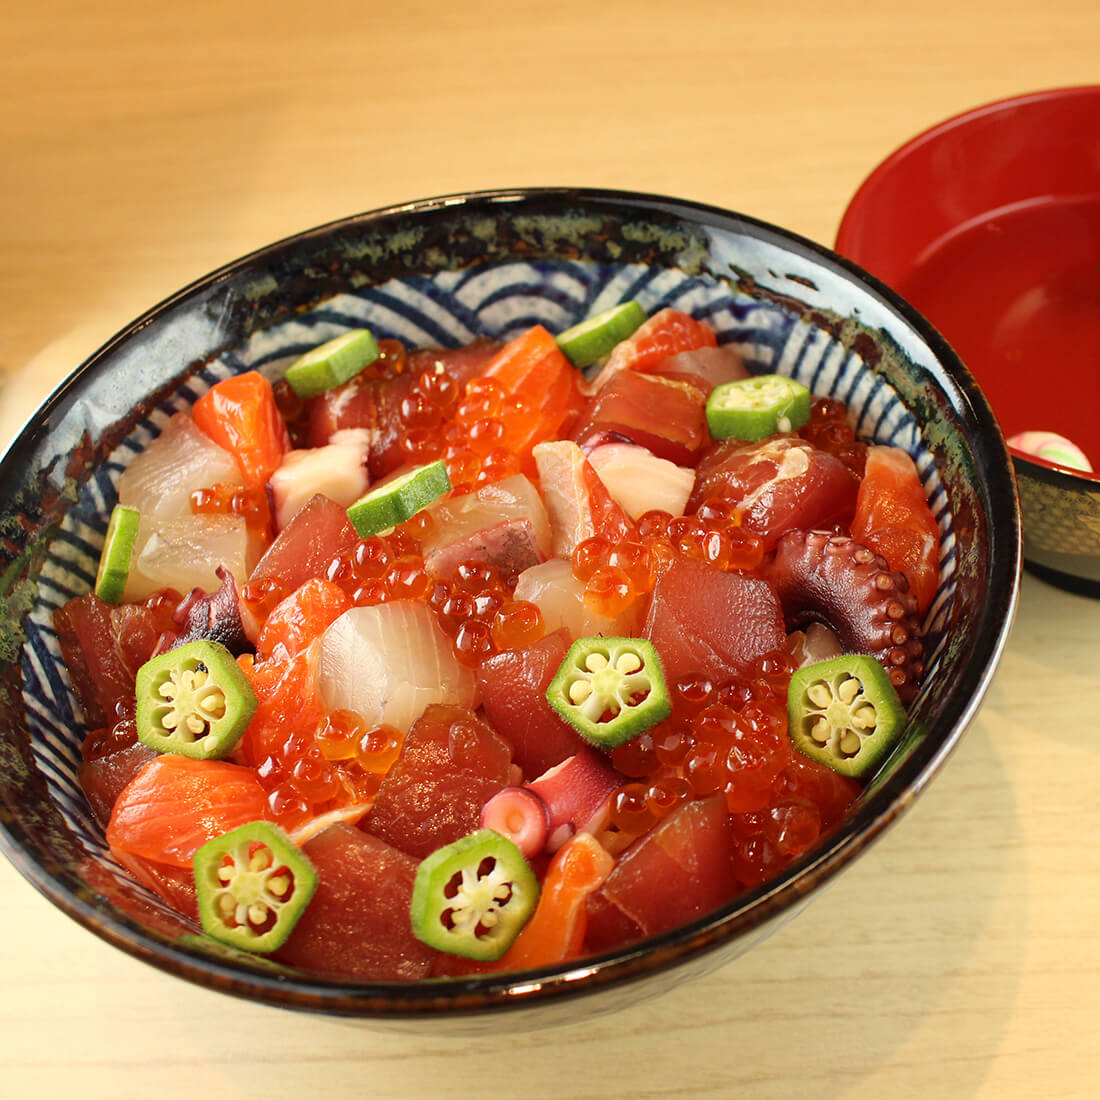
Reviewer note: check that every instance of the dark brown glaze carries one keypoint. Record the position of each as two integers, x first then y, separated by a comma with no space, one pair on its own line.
832,579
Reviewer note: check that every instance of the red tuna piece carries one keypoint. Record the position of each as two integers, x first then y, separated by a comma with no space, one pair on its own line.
780,484
513,687
104,778
319,532
665,415
103,646
704,622
357,923
678,872
452,763
367,401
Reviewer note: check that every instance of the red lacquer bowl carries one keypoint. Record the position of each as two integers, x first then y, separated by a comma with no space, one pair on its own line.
989,224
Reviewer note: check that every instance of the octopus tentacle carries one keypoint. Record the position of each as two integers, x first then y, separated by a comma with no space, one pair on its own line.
834,580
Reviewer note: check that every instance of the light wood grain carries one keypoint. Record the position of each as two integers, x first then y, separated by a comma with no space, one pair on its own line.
143,145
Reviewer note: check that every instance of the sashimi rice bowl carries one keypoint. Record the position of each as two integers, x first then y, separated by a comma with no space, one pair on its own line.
499,604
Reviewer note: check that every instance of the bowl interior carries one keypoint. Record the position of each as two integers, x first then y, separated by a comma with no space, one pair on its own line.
989,224
443,273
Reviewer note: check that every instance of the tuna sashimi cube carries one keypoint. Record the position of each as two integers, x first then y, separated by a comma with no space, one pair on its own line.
319,531
679,871
706,623
665,415
513,694
451,764
357,923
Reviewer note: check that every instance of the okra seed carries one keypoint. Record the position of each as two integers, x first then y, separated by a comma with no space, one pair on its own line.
819,731
864,717
819,695
594,662
279,885
848,689
579,690
849,743
257,912
628,662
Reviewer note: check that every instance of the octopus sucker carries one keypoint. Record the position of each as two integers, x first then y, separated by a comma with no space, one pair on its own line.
834,580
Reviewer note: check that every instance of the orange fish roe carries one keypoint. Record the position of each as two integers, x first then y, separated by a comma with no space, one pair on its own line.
730,739
829,430
250,502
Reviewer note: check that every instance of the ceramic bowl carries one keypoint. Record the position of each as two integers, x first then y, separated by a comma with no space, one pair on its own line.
989,224
441,272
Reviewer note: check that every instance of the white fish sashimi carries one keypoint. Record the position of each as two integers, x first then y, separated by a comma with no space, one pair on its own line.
159,481
640,481
389,663
185,554
559,597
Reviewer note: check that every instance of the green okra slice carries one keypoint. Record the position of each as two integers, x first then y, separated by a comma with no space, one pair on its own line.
473,897
845,713
590,340
610,689
399,499
754,408
194,701
332,363
252,885
118,550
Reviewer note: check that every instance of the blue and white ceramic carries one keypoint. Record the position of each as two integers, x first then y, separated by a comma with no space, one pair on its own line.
442,273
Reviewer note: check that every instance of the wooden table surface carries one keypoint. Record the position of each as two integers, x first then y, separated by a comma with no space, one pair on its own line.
142,145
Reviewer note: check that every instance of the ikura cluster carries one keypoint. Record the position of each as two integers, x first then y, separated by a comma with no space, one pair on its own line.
420,663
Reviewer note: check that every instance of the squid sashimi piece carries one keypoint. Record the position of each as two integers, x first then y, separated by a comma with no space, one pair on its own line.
357,923
337,470
504,523
389,663
577,501
451,764
779,485
559,596
159,481
186,553
679,871
640,481
666,333
705,367
174,805
513,687
665,415
706,623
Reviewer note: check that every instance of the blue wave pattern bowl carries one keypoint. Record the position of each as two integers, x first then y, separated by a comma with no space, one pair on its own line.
442,273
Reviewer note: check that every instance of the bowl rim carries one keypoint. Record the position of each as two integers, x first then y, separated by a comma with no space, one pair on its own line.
673,950
1060,476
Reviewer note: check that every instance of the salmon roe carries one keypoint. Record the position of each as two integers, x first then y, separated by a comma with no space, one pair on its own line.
250,502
